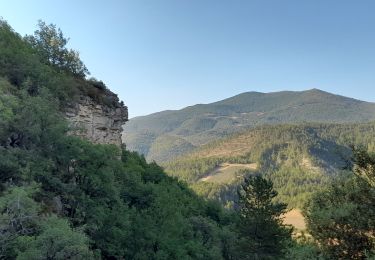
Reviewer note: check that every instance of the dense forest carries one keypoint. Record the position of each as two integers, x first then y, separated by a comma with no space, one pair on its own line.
62,197
299,159
165,135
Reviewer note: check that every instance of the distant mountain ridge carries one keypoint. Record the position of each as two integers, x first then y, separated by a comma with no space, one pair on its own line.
168,134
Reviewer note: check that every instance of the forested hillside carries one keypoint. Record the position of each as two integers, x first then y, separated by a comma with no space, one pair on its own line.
63,197
166,135
298,158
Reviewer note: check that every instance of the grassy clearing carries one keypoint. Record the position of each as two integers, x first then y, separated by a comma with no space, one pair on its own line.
296,219
227,172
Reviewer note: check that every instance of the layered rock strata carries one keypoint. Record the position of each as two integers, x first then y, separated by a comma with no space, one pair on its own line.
99,123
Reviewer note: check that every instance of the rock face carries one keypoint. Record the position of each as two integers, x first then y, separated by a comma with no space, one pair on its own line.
99,123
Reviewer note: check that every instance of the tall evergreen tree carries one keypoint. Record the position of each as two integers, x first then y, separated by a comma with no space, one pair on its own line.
262,233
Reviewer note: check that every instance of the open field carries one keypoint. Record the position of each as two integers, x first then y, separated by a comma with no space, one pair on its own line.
296,219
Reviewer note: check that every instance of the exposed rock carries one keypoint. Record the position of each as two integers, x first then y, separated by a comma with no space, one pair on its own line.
57,205
99,123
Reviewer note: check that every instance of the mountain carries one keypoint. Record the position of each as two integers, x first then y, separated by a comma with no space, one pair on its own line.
68,189
166,135
299,159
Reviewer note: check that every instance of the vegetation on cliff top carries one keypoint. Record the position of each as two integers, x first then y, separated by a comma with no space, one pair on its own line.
42,61
63,197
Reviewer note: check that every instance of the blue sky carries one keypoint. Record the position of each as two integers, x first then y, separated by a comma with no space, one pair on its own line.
168,54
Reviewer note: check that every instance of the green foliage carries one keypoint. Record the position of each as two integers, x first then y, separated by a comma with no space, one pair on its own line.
116,208
62,197
341,218
166,147
201,124
57,240
42,61
299,159
364,163
50,44
303,249
19,217
296,185
98,83
262,233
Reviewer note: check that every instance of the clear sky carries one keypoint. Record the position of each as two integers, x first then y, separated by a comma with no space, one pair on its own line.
168,54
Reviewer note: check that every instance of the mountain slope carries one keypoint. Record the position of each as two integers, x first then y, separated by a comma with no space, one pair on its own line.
63,197
194,126
298,158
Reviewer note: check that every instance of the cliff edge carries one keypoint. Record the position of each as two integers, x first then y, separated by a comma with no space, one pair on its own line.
98,122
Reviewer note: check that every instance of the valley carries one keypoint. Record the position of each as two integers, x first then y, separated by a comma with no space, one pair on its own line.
259,175
166,135
298,158
299,140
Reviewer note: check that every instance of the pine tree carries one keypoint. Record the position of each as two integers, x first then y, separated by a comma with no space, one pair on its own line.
263,235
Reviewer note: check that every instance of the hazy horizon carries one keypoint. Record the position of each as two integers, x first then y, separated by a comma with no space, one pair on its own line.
166,55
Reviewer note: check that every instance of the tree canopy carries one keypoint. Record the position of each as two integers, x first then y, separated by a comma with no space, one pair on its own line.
62,197
50,44
262,233
341,217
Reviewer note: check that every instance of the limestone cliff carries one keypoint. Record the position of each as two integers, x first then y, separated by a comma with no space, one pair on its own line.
97,121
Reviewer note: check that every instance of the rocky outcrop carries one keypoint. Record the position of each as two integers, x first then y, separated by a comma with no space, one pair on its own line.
98,122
